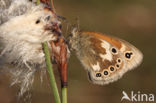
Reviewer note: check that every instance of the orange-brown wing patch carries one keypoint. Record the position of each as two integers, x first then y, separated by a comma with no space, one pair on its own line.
96,45
109,39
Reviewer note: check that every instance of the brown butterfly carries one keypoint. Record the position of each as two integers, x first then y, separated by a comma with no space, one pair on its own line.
105,58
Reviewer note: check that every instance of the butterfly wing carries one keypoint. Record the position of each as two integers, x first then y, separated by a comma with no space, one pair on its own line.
131,54
106,58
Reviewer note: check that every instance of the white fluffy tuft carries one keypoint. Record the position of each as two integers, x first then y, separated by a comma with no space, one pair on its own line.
21,38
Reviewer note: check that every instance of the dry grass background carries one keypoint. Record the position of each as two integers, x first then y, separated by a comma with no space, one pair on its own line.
131,20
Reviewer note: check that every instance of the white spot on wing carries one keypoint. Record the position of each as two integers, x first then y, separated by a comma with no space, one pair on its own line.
108,54
123,48
96,67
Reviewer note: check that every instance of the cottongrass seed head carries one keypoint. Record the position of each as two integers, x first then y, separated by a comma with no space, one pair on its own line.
24,27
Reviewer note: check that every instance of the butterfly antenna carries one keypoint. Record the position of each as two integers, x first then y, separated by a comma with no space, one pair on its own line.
78,23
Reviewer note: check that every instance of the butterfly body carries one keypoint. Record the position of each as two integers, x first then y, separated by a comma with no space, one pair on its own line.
105,58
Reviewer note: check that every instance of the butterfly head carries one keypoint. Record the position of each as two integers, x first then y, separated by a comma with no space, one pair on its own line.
74,39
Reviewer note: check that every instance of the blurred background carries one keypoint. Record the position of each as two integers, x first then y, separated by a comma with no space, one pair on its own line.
131,20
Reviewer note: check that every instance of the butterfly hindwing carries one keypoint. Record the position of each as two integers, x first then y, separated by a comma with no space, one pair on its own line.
111,57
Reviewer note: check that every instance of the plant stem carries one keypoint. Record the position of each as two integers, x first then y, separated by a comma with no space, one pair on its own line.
38,2
52,4
51,74
63,88
64,94
50,70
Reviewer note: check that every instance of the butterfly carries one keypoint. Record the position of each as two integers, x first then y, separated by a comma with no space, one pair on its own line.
105,58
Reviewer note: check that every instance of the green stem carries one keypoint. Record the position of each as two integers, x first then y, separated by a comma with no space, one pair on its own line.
52,4
51,74
64,94
63,89
38,2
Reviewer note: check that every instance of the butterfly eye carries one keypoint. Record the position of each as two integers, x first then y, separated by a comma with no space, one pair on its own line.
114,50
98,74
128,55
